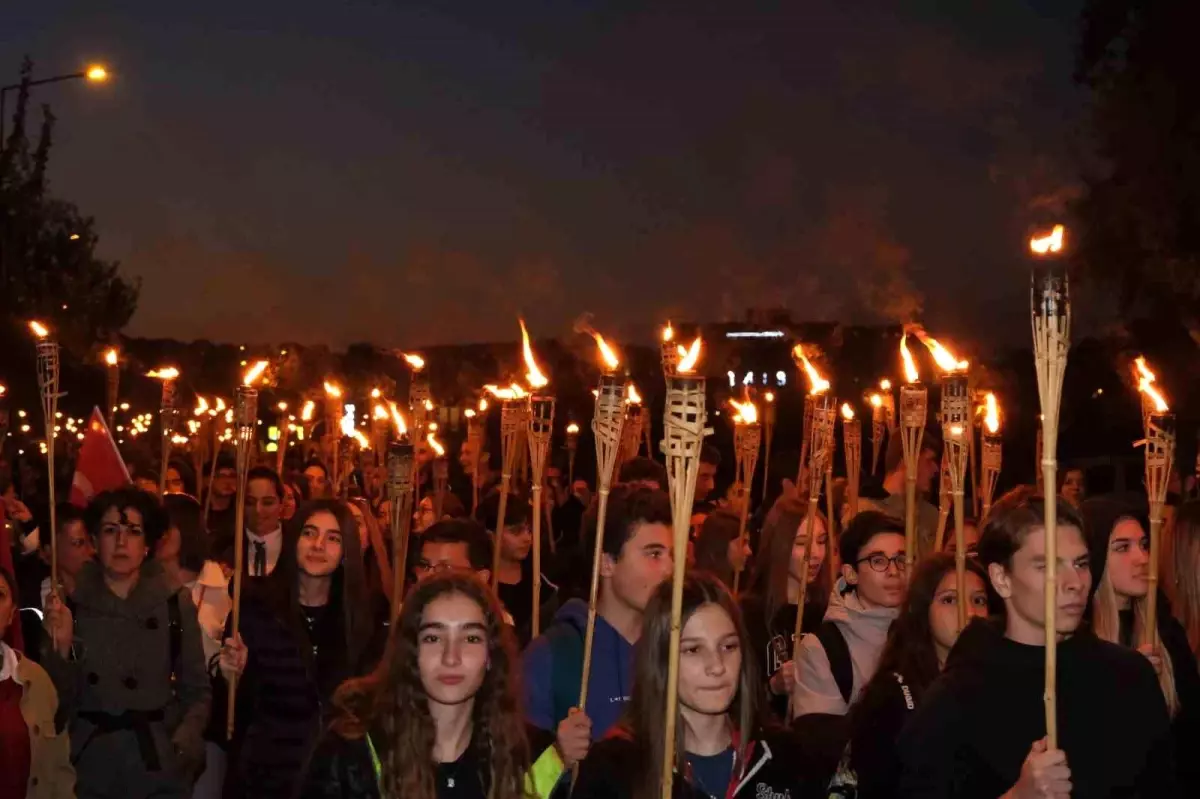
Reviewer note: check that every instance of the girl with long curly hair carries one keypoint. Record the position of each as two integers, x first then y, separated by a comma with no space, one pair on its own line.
721,748
439,717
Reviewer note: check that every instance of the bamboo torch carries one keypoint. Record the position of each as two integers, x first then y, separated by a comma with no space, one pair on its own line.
607,421
476,428
747,435
876,430
631,433
913,408
943,501
201,430
572,449
112,374
1160,460
852,448
957,419
817,386
441,474
47,375
540,420
1051,317
824,411
400,497
246,419
889,405
992,455
333,408
806,438
512,418
684,432
769,436
167,419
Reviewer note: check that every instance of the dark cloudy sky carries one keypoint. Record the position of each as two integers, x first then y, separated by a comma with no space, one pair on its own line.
415,172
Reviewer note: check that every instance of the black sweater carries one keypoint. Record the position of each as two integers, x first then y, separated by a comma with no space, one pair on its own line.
976,724
772,639
876,722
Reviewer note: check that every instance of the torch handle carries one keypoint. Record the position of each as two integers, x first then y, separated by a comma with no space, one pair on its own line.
1150,631
536,620
1050,522
505,481
960,559
910,515
239,556
401,519
593,593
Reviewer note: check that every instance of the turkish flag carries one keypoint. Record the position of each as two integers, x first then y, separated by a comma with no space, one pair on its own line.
98,467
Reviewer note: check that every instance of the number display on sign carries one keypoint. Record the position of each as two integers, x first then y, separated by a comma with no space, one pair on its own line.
778,380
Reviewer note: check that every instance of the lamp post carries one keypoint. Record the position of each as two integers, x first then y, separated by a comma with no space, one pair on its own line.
93,74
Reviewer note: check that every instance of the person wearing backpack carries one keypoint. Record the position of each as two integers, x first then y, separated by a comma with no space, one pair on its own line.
839,658
918,643
635,559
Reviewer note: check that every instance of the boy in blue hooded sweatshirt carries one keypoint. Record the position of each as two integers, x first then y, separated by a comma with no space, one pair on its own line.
636,557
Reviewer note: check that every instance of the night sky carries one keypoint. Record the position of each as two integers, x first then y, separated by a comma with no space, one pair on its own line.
412,173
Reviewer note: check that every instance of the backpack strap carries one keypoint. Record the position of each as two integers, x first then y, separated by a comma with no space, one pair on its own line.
838,652
566,663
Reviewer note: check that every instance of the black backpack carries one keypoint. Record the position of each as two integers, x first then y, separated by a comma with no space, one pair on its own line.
825,735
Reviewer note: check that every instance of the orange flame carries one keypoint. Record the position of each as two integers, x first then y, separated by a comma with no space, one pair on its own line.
347,423
483,404
254,373
332,390
632,396
876,401
201,406
428,405
942,356
438,450
415,361
747,413
668,333
380,412
572,429
1146,380
306,413
398,419
110,357
991,417
847,412
611,361
39,329
770,396
910,367
469,413
816,383
361,438
169,373
689,357
513,392
885,385
1050,243
376,393
220,405
534,376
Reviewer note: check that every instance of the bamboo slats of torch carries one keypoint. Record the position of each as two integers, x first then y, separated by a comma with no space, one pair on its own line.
1051,322
1160,460
824,414
957,427
400,458
747,436
47,376
245,419
852,450
538,434
512,419
913,399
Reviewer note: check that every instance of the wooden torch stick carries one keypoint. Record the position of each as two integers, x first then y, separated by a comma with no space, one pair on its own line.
47,375
400,458
245,417
877,420
684,432
167,416
944,501
541,427
805,441
769,437
1051,317
747,440
957,426
112,362
913,404
512,418
1160,457
852,449
475,430
992,456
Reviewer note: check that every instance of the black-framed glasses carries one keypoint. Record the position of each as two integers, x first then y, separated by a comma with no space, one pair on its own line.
879,562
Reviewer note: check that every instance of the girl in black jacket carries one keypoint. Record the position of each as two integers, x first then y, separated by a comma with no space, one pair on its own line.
918,643
304,630
721,749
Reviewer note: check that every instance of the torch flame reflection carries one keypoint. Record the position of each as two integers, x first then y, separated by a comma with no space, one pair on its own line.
816,383
689,357
910,367
1050,243
534,376
254,373
991,417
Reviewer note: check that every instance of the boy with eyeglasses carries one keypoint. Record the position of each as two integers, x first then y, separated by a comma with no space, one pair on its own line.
839,657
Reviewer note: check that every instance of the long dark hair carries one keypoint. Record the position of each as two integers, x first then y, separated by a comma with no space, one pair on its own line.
393,701
773,561
910,650
349,588
643,717
712,544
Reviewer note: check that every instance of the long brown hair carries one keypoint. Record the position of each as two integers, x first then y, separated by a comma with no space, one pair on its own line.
643,719
393,701
773,561
1183,573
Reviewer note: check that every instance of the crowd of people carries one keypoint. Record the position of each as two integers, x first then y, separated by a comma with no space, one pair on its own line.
126,678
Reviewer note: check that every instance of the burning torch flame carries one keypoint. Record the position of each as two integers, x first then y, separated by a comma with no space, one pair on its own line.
747,413
572,429
332,390
347,423
438,450
110,357
534,376
942,356
910,367
1050,243
376,393
513,392
201,406
170,373
847,412
689,357
469,413
254,373
817,384
668,333
632,396
1146,380
428,406
415,361
885,385
770,396
876,401
306,413
483,404
39,329
991,417
611,361
380,411
398,419
361,438
220,405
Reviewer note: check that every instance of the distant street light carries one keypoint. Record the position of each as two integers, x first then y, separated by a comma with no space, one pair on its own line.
96,73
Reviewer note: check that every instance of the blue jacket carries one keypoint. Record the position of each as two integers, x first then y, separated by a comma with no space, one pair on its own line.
553,670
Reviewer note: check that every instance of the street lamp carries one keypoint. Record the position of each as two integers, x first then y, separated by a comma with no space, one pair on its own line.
96,73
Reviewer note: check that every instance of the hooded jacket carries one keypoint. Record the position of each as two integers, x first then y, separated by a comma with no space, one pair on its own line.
973,730
553,669
773,768
865,631
51,775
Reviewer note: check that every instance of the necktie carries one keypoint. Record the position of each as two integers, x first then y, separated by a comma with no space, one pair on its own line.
260,559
